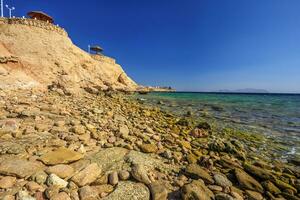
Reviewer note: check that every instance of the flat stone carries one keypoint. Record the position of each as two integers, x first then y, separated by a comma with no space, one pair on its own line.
129,190
196,190
247,182
7,182
19,167
158,191
33,186
87,175
195,171
61,170
60,156
56,181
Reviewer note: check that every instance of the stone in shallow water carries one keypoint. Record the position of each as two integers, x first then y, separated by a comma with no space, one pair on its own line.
19,167
87,175
60,156
129,190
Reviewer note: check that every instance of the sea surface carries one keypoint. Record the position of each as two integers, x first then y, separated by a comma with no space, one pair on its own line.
275,116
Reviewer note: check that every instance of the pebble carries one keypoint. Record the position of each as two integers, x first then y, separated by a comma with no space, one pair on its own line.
124,175
113,178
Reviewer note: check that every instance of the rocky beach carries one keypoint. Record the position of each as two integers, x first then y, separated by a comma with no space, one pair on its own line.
106,145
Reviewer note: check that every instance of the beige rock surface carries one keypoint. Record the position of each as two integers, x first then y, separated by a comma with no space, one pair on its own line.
27,52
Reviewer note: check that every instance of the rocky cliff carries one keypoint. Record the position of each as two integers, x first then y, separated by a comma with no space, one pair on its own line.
38,54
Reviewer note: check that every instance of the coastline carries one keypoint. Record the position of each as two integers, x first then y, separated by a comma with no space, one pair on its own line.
121,147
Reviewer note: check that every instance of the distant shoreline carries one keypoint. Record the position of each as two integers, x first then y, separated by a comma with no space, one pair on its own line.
241,93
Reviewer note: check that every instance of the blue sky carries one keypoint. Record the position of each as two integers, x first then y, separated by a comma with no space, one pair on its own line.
195,45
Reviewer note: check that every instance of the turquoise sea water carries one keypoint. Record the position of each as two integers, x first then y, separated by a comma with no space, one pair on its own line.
276,116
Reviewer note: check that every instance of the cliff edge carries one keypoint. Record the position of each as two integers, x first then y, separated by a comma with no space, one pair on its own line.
38,54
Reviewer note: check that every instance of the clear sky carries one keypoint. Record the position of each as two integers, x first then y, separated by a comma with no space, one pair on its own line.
198,45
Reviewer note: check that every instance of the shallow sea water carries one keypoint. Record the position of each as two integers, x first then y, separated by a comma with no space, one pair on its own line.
276,116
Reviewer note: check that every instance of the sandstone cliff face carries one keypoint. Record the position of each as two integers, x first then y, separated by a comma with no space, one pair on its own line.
37,54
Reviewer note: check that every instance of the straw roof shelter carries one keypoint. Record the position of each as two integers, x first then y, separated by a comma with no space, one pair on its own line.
39,15
96,48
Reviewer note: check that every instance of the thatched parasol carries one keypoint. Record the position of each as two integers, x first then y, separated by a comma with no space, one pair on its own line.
96,48
40,16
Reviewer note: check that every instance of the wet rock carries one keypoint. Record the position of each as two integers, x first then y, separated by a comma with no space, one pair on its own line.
252,195
87,193
7,182
129,190
56,181
196,190
60,156
195,171
113,178
158,191
148,148
215,188
87,175
19,167
139,173
222,180
258,172
269,186
61,170
284,186
247,182
124,175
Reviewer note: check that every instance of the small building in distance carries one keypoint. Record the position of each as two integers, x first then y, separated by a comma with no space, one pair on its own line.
39,15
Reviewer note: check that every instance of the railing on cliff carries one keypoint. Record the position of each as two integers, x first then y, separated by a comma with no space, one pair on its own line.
35,23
